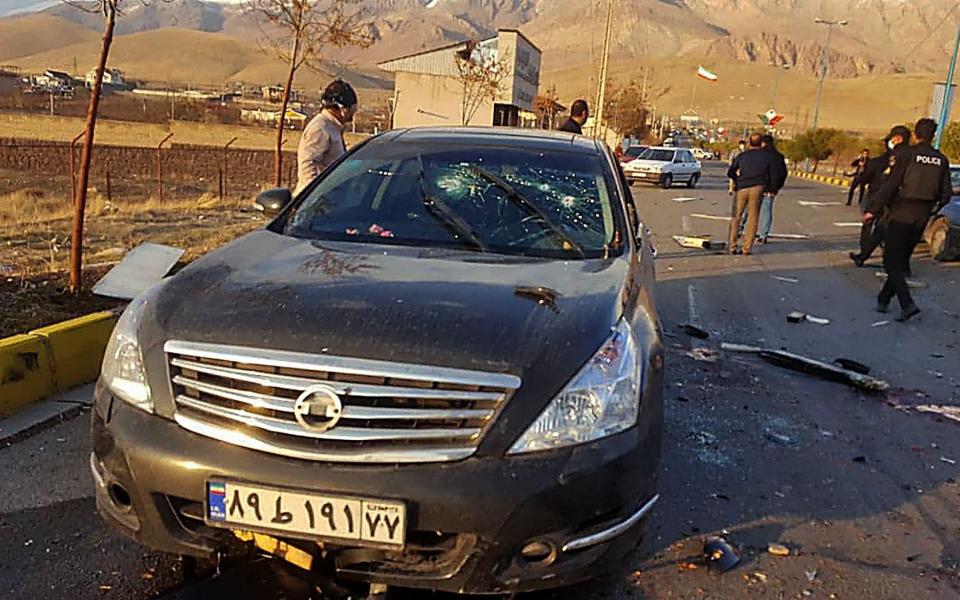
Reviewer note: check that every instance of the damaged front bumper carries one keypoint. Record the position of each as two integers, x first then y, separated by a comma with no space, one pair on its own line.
482,525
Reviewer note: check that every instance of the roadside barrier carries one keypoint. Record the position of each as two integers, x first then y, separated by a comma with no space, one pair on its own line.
837,181
52,359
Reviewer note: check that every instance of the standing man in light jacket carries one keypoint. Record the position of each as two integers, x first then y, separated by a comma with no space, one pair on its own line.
322,141
752,175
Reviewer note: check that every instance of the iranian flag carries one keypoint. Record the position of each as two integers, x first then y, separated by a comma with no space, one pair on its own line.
771,118
705,74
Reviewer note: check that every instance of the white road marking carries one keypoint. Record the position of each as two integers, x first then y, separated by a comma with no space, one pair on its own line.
788,236
815,203
684,199
692,304
786,279
711,217
848,224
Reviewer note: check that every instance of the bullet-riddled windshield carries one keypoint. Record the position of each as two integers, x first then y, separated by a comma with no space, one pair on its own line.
491,199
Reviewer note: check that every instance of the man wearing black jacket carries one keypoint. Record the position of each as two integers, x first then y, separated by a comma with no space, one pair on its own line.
579,113
918,182
874,175
778,176
752,175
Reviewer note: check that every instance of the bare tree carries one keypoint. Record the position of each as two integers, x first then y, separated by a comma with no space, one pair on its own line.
110,9
299,31
480,74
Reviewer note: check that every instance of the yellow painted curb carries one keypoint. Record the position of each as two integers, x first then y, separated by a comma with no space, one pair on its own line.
52,359
837,181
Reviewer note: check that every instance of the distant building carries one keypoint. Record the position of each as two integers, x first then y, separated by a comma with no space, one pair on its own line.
274,93
112,78
54,81
429,90
9,76
294,119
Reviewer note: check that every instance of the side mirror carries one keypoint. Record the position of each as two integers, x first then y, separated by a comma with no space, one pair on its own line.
271,202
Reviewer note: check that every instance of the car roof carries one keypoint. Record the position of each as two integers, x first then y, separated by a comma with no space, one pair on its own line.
670,148
538,139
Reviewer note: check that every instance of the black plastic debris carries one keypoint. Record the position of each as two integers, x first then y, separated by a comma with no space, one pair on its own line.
859,459
694,331
720,555
795,362
852,365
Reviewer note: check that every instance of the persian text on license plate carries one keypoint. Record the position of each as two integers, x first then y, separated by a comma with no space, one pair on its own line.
304,513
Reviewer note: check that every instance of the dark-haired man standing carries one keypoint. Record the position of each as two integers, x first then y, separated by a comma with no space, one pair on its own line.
919,182
752,173
322,141
579,113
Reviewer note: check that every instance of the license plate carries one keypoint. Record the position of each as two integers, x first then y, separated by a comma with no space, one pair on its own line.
305,514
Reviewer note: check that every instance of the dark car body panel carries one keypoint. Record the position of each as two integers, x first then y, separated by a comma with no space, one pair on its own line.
428,306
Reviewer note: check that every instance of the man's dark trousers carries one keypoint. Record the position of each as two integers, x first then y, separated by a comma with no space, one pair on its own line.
856,183
871,236
899,242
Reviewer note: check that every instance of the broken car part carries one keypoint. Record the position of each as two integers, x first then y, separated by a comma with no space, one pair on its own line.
701,243
694,331
719,554
852,365
811,366
140,269
778,550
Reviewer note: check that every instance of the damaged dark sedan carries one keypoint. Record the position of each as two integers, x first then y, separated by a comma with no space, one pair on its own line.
439,366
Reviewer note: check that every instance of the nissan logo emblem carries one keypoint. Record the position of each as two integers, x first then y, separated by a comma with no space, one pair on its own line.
318,408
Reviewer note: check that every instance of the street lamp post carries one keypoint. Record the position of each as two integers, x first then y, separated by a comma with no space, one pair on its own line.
823,64
947,95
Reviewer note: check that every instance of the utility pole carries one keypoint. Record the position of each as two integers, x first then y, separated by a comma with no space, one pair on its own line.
602,88
947,93
823,64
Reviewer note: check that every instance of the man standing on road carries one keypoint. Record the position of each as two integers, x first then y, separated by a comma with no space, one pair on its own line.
322,141
579,113
740,149
778,175
752,174
919,181
858,164
874,175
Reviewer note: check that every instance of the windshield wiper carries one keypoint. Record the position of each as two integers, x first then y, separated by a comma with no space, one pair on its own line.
532,208
438,208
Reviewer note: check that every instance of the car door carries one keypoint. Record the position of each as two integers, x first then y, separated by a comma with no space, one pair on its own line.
685,166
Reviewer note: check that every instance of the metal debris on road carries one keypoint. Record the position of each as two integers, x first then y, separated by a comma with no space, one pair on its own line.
859,459
694,331
914,283
779,438
699,243
788,236
762,578
797,317
684,199
785,279
811,575
703,354
852,365
948,412
710,217
949,461
811,366
778,550
880,324
720,555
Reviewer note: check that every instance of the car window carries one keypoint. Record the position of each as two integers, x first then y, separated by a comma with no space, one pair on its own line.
658,154
513,201
634,151
955,177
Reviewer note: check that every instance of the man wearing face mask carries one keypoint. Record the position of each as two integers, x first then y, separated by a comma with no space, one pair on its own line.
918,183
322,141
874,174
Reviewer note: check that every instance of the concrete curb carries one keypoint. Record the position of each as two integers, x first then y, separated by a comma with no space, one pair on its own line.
52,359
837,181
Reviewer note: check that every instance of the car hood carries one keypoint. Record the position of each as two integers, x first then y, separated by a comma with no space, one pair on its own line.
639,163
427,306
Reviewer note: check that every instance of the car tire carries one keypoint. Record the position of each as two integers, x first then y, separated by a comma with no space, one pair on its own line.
693,180
939,232
667,182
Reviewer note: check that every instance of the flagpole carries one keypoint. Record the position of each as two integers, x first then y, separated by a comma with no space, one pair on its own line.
693,95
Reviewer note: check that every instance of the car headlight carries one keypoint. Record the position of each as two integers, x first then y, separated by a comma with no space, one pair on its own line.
122,371
602,399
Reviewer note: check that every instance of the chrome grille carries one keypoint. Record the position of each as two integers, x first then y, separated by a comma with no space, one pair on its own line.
392,412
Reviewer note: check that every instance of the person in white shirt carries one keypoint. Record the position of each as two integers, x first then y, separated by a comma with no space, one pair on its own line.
322,141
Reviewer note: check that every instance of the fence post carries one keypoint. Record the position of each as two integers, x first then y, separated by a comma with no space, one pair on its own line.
225,172
160,167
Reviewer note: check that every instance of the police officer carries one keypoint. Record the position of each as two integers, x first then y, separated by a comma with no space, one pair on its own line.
874,175
918,182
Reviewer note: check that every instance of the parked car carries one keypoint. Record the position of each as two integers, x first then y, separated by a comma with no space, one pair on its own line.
632,152
702,154
943,231
439,366
664,166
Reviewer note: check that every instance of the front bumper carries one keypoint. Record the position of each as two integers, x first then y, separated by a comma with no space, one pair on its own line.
644,177
467,521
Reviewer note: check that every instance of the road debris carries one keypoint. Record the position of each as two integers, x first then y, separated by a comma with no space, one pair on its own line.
847,224
852,365
141,268
816,203
810,366
710,217
859,459
762,578
949,461
699,243
788,236
880,324
785,279
811,575
946,411
684,199
694,331
703,354
778,549
779,438
719,555
914,283
797,317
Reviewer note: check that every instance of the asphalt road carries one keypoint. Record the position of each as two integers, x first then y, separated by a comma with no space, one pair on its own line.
861,488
